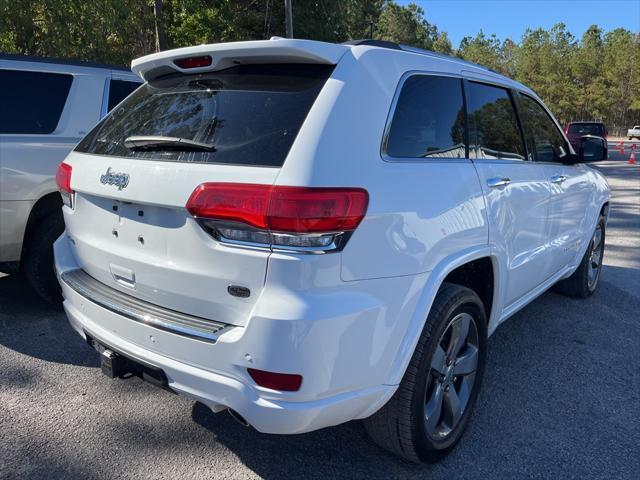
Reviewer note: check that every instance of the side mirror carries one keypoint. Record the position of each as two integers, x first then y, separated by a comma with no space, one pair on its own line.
592,149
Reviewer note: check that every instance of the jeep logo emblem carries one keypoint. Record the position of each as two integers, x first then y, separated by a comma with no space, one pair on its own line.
120,180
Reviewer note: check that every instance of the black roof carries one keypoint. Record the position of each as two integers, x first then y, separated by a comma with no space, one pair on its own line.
61,61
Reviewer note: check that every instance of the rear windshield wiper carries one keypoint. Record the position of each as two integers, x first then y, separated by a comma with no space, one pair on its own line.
158,143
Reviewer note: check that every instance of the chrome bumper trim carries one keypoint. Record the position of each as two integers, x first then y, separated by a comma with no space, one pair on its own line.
140,310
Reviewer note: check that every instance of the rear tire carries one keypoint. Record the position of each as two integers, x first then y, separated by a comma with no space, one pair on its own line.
584,281
408,425
37,263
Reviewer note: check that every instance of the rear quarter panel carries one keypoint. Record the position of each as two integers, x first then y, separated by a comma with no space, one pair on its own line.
419,212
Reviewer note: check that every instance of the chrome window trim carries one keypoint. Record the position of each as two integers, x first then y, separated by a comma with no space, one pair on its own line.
465,76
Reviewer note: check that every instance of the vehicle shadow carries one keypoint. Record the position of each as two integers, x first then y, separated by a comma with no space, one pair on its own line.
31,327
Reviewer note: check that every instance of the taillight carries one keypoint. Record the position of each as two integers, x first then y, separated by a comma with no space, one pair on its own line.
286,382
194,62
280,216
63,179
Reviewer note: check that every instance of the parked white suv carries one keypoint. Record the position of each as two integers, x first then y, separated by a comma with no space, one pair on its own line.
47,107
308,233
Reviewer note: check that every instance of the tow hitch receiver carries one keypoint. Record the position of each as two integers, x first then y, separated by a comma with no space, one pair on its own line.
116,365
111,364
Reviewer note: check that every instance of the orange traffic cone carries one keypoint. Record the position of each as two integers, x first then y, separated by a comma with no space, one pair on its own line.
632,157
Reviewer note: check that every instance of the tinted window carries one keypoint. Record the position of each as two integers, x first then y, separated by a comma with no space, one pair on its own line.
119,90
547,142
249,114
587,129
428,120
32,102
493,125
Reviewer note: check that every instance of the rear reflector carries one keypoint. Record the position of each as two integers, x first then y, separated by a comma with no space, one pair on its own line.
281,209
285,382
63,179
194,62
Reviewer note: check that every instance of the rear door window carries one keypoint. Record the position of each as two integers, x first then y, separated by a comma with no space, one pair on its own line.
493,125
428,121
119,90
245,115
32,102
543,135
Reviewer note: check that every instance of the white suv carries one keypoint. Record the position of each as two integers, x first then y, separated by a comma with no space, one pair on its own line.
307,233
47,107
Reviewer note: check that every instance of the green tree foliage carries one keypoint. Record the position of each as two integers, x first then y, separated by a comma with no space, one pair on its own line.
483,50
544,63
594,77
405,25
442,44
621,77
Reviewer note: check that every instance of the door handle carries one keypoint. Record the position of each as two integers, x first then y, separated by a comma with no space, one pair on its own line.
498,182
558,178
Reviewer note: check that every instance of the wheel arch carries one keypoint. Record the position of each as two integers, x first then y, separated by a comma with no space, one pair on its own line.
450,266
46,205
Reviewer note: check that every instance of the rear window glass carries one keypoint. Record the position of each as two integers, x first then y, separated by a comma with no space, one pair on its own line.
586,128
248,115
119,90
429,119
32,102
494,130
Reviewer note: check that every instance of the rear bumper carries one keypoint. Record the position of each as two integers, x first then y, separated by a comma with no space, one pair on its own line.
214,373
217,390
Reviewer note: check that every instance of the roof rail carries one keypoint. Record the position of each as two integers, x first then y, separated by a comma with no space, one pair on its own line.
60,61
410,49
374,43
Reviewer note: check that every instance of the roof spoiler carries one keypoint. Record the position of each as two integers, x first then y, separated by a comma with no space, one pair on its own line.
225,55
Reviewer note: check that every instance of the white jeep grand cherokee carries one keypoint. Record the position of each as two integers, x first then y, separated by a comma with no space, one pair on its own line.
307,233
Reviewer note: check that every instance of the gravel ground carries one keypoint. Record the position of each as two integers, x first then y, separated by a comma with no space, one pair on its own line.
561,396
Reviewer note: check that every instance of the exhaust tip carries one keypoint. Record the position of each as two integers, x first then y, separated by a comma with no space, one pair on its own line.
237,417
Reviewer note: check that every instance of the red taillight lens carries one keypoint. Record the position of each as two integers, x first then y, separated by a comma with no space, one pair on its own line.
234,202
194,62
281,209
315,210
63,177
285,382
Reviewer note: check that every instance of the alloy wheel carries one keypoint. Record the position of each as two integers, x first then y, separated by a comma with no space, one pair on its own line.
453,371
595,258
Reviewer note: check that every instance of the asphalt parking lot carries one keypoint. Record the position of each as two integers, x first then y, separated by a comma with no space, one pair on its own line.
561,397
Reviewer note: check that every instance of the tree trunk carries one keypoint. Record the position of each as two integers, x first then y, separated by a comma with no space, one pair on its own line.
161,38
